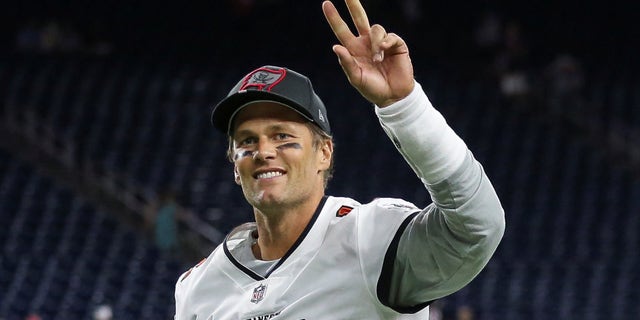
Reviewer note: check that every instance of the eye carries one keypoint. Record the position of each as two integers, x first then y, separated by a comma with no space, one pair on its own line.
282,136
247,141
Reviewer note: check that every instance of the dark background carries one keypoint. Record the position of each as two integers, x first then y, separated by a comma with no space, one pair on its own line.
110,100
595,31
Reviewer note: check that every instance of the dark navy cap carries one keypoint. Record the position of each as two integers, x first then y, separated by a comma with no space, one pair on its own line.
271,83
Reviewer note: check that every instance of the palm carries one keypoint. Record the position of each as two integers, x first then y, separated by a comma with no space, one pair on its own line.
380,81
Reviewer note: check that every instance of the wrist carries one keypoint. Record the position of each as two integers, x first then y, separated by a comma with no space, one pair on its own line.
401,96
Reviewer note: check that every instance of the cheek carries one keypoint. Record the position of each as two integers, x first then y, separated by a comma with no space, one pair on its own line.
241,162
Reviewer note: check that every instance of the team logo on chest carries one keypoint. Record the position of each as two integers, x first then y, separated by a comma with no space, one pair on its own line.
258,293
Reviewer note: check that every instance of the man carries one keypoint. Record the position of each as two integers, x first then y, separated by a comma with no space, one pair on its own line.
312,256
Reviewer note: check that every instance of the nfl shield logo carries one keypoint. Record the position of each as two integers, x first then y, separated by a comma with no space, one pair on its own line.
258,293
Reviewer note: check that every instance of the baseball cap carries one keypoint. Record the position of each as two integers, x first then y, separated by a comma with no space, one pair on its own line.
271,83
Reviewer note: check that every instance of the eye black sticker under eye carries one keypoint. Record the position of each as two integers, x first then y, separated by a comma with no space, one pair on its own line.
290,145
249,153
243,153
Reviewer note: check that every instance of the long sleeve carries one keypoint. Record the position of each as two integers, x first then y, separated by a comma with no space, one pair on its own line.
449,242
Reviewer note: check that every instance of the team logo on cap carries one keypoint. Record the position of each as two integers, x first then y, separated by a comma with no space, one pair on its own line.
258,293
263,79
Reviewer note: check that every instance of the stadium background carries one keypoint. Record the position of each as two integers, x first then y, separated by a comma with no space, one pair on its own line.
104,111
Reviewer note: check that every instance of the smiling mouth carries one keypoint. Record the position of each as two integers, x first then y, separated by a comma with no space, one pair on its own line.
269,174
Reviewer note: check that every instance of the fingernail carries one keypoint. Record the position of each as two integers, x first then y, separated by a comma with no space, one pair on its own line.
377,57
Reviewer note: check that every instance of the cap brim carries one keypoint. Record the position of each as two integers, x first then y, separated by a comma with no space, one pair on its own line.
223,114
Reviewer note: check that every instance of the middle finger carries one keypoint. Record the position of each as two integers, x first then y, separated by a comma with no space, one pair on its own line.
359,16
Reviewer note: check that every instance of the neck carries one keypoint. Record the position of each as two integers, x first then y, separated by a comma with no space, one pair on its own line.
278,231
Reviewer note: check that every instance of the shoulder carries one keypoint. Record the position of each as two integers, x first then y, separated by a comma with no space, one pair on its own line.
195,272
377,211
343,205
379,219
391,207
380,224
386,215
340,207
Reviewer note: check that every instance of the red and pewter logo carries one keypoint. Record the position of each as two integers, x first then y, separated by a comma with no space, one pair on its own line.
343,211
258,293
263,79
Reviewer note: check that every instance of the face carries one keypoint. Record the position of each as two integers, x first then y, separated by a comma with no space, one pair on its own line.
274,158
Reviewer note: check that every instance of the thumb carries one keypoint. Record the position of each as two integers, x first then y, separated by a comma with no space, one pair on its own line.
348,63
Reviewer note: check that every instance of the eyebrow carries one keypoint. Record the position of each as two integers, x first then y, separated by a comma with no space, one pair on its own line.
271,128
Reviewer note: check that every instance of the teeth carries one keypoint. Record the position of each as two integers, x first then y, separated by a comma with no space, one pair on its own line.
270,174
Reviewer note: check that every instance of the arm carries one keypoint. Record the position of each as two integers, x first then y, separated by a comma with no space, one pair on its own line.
450,241
447,244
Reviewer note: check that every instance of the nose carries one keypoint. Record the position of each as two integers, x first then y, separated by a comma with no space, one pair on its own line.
265,151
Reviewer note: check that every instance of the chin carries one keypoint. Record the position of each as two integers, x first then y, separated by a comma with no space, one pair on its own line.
263,198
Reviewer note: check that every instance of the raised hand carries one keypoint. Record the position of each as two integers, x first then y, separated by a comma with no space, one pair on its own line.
376,63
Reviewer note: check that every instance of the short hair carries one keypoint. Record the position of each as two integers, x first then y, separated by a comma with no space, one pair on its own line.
318,135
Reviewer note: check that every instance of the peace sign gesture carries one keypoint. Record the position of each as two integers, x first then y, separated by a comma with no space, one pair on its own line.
376,63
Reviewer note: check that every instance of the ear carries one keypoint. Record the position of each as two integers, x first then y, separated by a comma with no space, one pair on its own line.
236,175
325,154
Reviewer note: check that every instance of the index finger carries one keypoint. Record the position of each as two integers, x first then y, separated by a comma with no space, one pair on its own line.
359,16
339,27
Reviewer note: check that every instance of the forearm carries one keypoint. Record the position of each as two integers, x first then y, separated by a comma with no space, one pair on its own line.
421,134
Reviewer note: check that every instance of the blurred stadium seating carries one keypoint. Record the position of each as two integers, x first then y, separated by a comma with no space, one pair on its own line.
62,257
